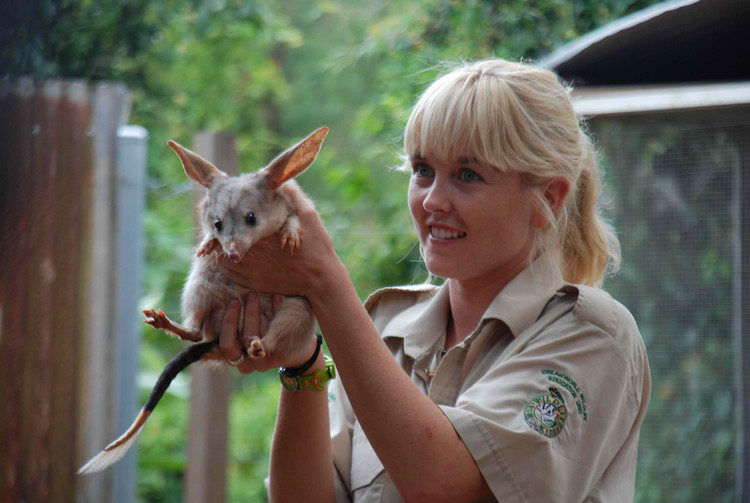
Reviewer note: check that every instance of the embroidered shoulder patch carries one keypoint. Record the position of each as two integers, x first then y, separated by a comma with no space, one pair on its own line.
546,415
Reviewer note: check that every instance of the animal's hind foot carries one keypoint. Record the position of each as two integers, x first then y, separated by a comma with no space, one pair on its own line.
256,349
157,319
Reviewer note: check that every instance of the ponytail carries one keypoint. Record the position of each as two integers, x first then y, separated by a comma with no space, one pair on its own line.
590,248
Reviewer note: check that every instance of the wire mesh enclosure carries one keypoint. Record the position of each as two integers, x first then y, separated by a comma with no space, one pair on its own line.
676,183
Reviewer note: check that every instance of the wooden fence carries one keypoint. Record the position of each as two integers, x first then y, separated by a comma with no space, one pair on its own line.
58,286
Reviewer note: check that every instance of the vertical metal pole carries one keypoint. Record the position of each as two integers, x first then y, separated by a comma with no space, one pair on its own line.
132,148
99,344
210,388
741,214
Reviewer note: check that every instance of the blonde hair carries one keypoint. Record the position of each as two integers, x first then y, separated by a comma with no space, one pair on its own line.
516,116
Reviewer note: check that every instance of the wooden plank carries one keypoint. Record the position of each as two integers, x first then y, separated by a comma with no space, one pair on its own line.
38,356
210,388
15,242
76,173
628,100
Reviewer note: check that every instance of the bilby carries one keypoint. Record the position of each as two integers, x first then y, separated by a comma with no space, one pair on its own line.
235,213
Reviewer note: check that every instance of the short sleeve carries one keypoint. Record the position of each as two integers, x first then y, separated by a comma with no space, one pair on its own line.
545,423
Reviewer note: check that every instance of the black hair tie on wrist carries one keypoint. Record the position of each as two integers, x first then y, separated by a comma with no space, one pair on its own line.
298,371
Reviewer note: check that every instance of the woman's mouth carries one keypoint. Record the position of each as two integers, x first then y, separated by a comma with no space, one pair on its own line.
445,233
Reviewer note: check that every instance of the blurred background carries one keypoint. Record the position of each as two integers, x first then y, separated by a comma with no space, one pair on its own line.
269,72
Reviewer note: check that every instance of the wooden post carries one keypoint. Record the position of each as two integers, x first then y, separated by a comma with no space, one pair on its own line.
210,388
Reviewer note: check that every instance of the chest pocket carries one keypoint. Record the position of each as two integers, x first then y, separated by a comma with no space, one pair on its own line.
370,482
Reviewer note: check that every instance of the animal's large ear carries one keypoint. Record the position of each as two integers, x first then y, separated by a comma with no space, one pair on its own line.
196,167
295,160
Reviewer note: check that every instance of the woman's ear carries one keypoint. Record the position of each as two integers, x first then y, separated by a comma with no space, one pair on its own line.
554,193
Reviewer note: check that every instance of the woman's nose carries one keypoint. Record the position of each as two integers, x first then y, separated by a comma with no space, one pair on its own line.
437,198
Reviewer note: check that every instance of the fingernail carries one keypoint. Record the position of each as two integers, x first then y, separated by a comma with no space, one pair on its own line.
252,296
234,304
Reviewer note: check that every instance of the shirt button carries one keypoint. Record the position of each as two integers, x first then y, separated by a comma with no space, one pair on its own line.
430,374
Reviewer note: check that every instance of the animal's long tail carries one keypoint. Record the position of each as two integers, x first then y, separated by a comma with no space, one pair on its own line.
117,449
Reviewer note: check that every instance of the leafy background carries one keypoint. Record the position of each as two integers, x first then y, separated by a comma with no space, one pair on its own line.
269,72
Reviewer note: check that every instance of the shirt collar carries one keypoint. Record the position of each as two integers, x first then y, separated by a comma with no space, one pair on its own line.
522,300
422,325
518,305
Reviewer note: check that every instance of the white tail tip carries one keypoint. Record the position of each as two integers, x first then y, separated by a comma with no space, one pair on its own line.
117,449
107,458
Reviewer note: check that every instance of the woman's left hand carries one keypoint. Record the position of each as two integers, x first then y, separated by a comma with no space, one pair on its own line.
235,340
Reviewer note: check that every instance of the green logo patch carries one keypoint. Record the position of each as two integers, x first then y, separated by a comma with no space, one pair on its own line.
572,387
546,415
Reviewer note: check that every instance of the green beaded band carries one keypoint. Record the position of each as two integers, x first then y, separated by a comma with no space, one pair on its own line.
315,381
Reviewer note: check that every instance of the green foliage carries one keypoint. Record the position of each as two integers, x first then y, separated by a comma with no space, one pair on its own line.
252,415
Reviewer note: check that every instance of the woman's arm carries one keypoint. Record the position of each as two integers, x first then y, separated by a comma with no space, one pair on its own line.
301,459
414,440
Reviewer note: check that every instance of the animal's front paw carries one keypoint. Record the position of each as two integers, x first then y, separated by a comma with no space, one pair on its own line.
157,319
255,348
291,239
208,247
291,234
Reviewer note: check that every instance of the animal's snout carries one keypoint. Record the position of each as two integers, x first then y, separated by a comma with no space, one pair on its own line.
234,252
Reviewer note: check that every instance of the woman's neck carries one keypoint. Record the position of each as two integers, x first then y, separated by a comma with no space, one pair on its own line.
470,299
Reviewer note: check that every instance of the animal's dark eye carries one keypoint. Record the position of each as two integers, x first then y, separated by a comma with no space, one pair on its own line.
250,219
218,224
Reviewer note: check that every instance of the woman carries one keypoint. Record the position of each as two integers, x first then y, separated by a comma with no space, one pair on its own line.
518,379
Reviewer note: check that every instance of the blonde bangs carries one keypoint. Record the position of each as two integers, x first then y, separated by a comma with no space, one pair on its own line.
454,119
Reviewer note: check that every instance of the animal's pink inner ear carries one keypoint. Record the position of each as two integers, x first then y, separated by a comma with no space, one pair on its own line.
295,160
195,166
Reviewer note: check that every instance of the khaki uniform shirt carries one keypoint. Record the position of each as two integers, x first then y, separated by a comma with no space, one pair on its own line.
548,393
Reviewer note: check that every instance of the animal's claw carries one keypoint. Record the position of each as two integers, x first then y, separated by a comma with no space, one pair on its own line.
291,241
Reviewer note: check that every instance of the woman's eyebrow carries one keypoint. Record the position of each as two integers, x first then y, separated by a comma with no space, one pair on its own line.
467,160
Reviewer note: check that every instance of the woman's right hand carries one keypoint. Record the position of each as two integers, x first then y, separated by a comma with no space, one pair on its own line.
267,267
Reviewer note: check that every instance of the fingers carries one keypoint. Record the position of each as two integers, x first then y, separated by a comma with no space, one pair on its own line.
277,300
228,342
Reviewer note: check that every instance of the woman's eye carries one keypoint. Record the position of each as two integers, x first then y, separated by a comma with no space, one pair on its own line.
467,175
422,170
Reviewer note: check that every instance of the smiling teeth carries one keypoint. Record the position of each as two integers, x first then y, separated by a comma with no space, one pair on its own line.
441,233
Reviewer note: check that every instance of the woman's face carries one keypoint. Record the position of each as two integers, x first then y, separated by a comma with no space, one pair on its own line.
474,222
